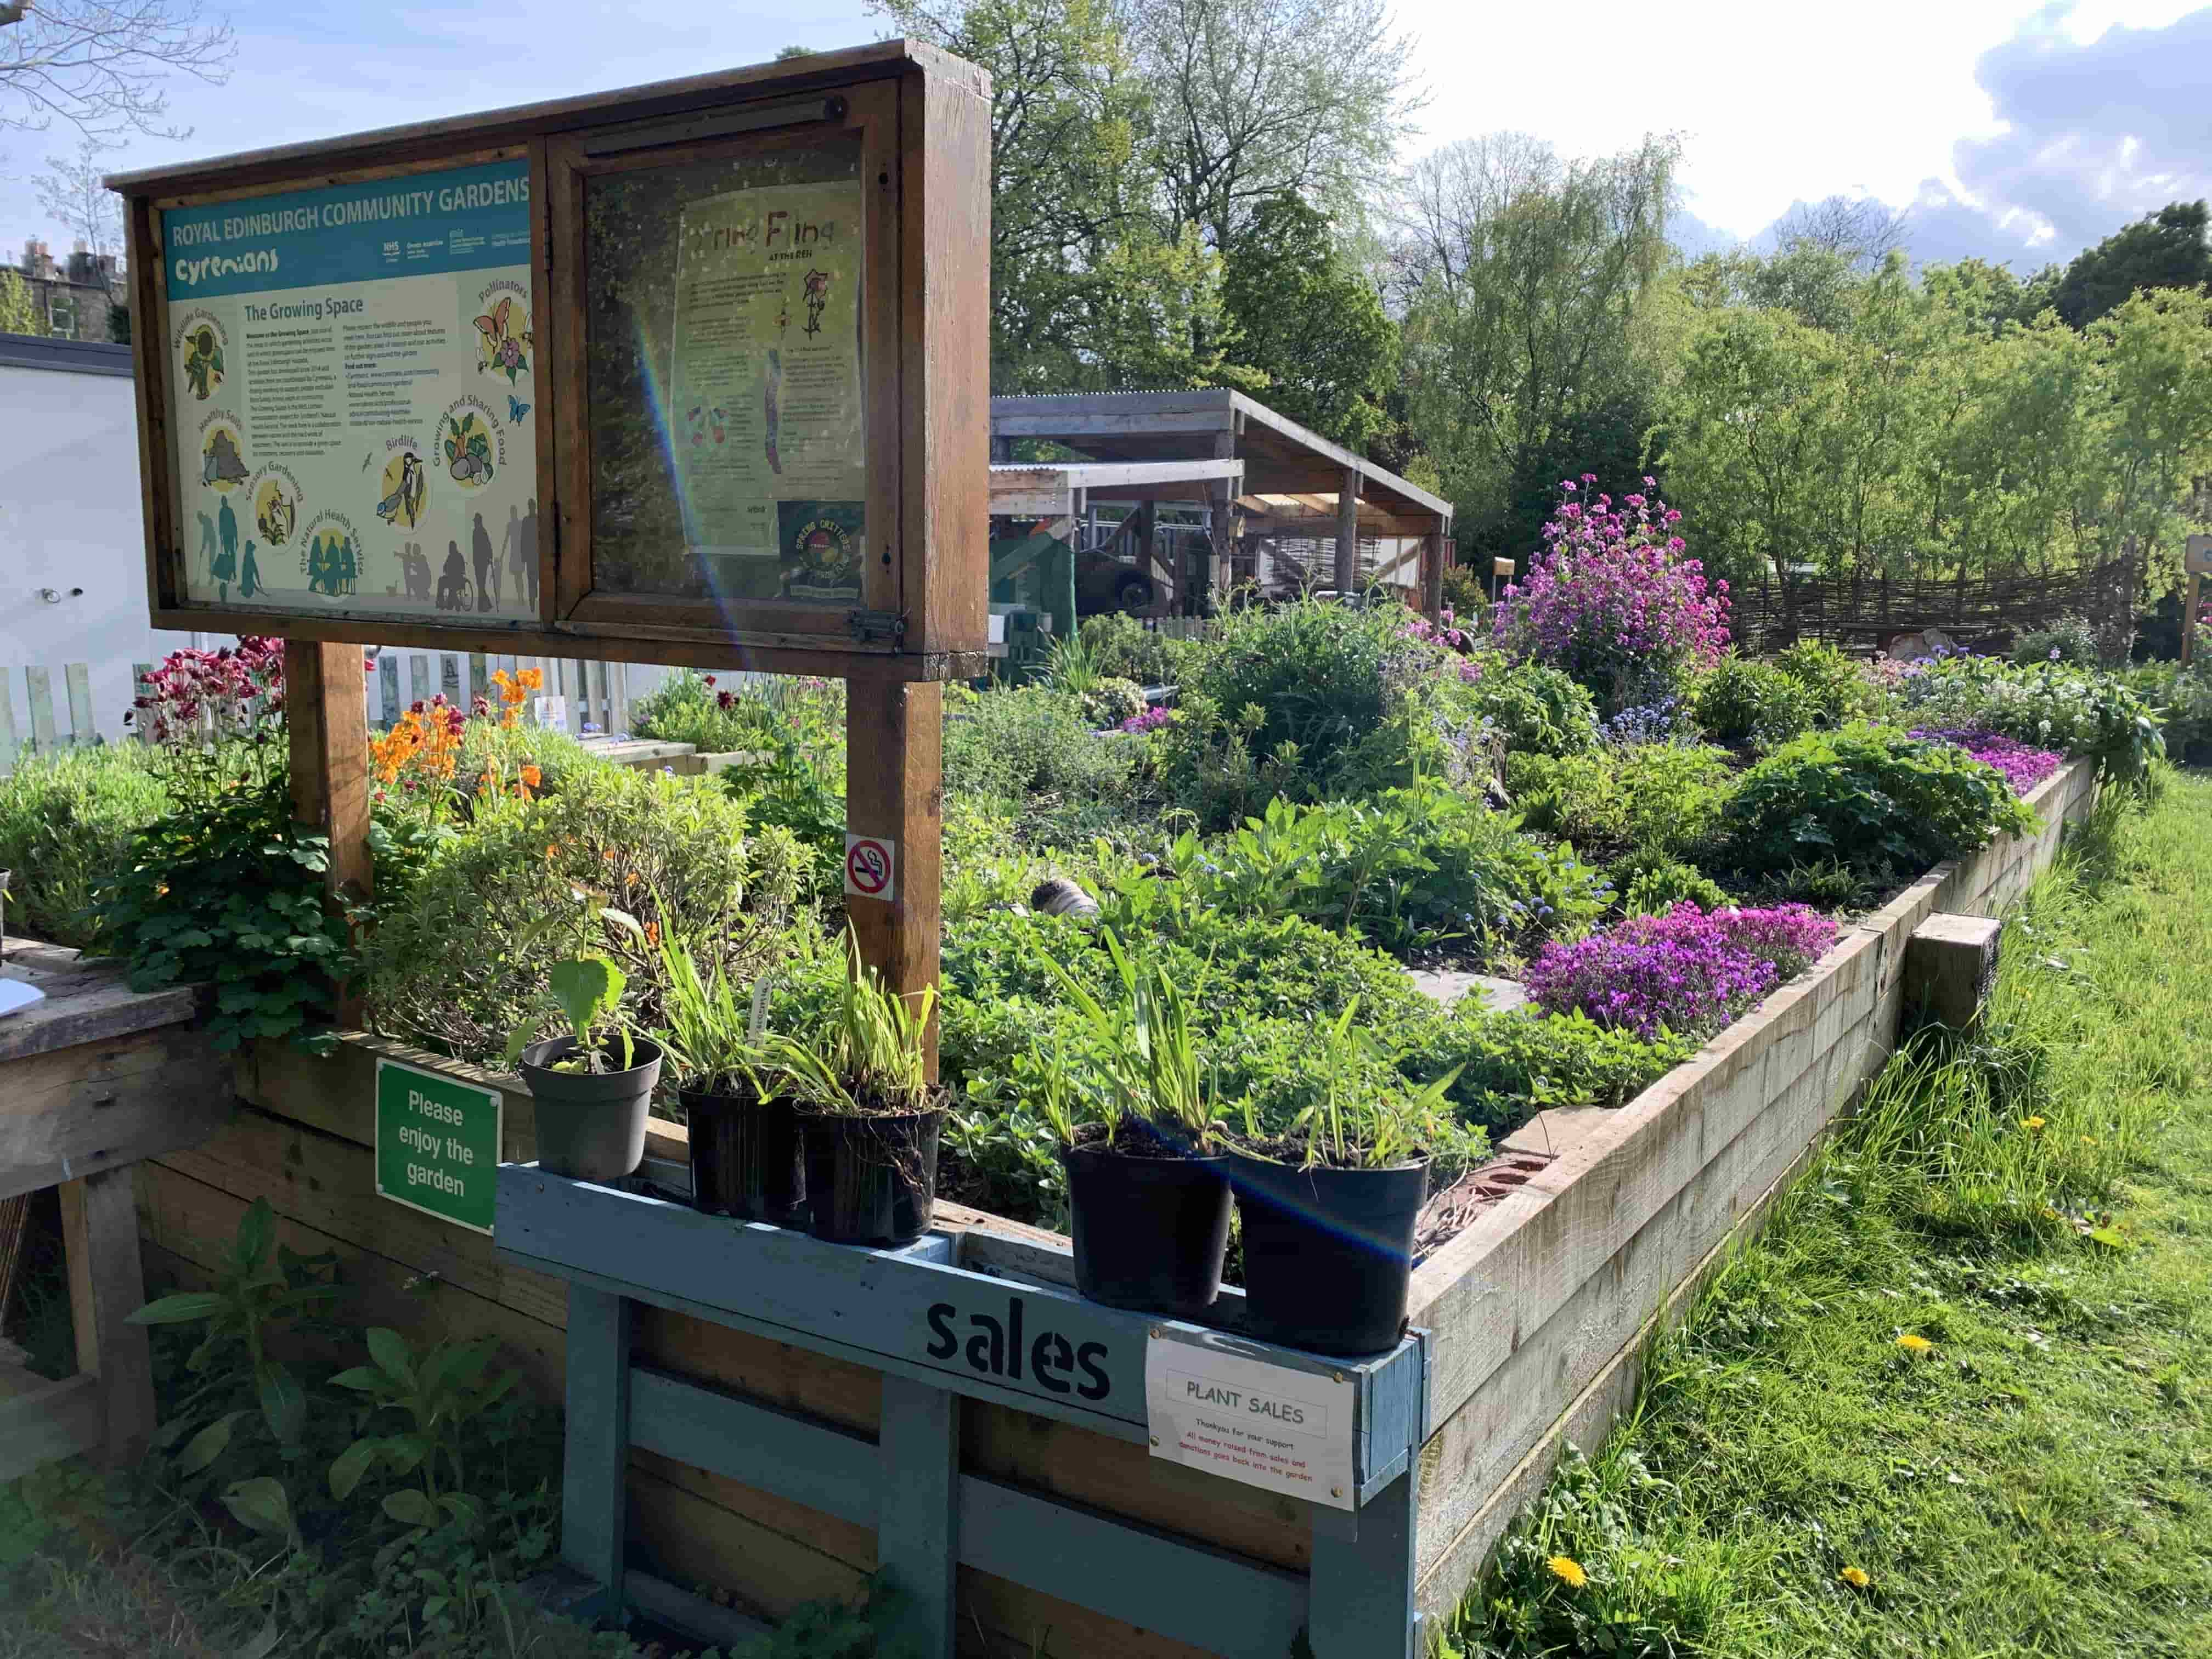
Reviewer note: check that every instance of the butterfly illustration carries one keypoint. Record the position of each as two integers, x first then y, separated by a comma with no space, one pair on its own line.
516,408
503,342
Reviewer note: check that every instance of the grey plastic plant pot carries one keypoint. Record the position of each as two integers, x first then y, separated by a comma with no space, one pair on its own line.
591,1126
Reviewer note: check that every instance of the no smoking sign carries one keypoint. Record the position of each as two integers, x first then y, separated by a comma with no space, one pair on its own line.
870,867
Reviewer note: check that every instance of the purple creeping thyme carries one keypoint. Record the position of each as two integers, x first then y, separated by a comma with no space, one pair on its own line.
1151,721
2024,766
1689,971
1610,599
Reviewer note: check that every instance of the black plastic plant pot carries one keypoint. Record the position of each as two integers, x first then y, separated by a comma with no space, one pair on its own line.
1329,1253
870,1179
591,1125
747,1159
1150,1232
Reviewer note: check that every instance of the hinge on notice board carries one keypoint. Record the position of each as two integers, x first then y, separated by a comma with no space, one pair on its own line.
867,626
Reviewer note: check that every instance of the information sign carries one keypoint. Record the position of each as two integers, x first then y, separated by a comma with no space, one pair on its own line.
1245,1419
437,1144
871,867
355,369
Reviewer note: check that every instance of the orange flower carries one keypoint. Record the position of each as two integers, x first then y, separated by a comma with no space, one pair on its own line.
530,776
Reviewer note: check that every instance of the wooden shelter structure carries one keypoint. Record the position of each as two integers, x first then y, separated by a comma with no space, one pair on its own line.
1296,484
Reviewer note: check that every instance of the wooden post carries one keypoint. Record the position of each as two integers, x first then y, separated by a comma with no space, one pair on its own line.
1363,1592
1950,964
99,1236
1347,531
594,1491
894,792
1432,574
2189,617
326,714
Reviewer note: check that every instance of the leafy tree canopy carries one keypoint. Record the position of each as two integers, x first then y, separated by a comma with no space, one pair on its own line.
2166,249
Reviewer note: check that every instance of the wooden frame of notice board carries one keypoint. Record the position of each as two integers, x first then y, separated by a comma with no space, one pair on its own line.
915,121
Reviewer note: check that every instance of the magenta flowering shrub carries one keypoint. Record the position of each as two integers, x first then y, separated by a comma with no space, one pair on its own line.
1151,721
1687,971
2024,766
1610,599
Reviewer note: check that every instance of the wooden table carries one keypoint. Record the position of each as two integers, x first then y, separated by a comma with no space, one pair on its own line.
92,1079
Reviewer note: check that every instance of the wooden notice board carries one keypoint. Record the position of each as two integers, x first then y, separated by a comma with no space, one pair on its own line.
695,372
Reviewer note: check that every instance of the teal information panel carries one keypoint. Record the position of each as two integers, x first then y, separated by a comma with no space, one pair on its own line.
437,1145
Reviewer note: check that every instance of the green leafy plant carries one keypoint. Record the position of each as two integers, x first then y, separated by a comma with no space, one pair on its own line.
872,1060
587,991
1840,688
261,1288
1655,798
1351,1125
1748,704
1869,797
225,889
437,1394
68,819
1149,1054
712,1032
1536,710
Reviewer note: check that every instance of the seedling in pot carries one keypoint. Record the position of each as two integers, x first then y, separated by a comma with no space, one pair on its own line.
714,1034
873,1061
1351,1128
587,991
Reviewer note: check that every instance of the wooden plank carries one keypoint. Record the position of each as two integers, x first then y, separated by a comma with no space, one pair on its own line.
41,685
1007,1620
667,1604
85,1003
1118,1477
694,1539
788,1455
594,1493
325,712
793,1519
894,789
57,1420
83,1110
921,1508
77,678
1188,1592
771,1373
99,1236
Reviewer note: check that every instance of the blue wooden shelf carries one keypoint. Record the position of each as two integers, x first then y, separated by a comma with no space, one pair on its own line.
969,1314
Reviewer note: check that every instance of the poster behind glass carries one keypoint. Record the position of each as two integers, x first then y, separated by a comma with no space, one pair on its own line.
728,417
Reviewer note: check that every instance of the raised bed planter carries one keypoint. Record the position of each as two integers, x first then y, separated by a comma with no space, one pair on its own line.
783,1442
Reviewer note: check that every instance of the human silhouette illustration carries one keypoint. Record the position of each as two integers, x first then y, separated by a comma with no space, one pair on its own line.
530,550
344,565
226,528
249,579
487,567
510,543
207,544
453,583
317,567
418,571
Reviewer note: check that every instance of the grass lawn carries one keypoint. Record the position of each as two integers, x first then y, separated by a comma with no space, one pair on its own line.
1957,1400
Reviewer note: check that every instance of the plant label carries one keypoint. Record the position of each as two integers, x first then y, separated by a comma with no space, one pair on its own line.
2197,559
1245,1419
871,867
437,1145
552,712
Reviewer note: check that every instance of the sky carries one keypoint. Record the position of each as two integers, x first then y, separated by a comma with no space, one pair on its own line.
2017,131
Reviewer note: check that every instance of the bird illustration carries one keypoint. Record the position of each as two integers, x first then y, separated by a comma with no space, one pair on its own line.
404,503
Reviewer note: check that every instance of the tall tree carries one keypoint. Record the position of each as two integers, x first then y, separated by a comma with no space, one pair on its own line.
98,65
1862,230
70,189
1254,100
2166,249
1524,280
1313,325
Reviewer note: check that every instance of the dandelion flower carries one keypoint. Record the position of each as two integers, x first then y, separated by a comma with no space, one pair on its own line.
1913,1344
1855,1578
2033,1125
1568,1571
2089,1141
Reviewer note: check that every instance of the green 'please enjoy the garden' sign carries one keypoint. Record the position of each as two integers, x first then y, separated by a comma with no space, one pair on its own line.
437,1145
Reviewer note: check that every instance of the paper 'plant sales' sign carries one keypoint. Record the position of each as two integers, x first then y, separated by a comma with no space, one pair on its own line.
695,372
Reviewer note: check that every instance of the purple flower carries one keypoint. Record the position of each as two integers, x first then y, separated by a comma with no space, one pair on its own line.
1687,971
2023,765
